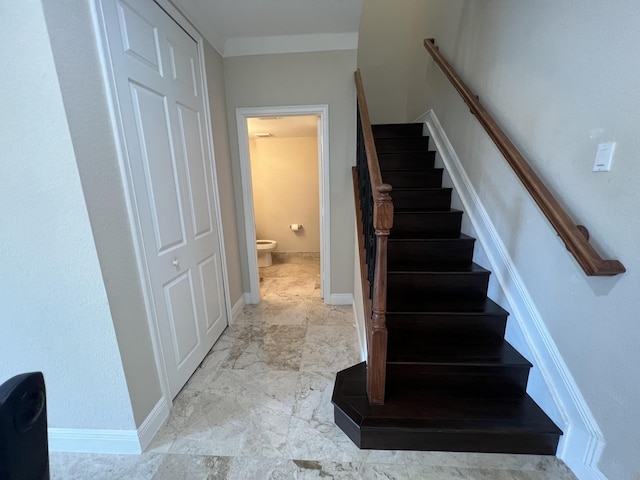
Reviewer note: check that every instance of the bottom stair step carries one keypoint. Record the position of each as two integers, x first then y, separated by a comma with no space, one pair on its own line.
441,424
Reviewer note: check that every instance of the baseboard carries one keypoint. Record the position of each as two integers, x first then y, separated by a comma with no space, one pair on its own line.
582,443
247,298
236,310
358,303
339,299
94,441
153,423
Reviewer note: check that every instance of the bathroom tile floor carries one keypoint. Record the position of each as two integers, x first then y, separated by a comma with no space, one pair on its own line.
259,406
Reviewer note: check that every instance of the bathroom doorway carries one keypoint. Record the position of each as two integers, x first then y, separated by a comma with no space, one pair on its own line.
284,166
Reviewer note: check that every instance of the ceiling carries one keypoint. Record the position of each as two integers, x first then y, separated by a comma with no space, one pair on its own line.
284,127
244,27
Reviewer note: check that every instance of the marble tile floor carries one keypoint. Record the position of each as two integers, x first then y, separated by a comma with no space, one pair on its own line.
259,406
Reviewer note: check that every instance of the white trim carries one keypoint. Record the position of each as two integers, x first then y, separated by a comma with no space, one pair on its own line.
358,305
247,298
153,423
320,42
340,299
100,27
582,443
195,34
242,114
237,308
362,344
108,70
94,441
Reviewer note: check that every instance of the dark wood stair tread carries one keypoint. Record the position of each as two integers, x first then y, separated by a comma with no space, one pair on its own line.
453,383
402,144
487,307
436,268
435,354
516,425
406,161
395,130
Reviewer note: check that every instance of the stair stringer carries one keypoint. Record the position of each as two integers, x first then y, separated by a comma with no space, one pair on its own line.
551,384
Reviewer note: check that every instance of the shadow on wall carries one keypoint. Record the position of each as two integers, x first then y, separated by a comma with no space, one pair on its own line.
284,175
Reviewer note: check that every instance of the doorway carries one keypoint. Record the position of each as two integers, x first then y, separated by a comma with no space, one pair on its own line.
243,117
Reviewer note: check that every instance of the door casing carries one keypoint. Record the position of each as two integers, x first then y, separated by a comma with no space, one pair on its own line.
242,114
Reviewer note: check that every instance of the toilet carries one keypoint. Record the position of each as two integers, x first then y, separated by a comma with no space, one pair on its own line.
265,247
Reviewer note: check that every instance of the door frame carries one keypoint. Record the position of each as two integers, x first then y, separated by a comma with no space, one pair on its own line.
108,72
242,114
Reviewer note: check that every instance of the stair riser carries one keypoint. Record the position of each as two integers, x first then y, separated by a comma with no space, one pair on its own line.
395,145
433,200
456,380
427,223
422,253
441,423
397,130
407,439
453,329
434,285
406,161
413,179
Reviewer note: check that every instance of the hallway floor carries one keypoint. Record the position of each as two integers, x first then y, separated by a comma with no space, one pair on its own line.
259,406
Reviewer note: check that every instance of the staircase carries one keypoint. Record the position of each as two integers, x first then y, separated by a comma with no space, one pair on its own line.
453,383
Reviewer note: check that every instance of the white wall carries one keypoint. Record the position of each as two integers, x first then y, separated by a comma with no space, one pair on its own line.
384,48
224,169
284,176
561,76
304,79
87,111
54,311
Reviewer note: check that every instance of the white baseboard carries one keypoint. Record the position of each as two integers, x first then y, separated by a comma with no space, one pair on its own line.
94,441
153,423
247,298
582,443
85,440
236,310
339,299
362,343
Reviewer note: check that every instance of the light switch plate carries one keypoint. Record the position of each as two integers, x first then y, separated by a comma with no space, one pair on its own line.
604,157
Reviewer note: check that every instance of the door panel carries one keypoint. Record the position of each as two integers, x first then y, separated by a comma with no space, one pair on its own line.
183,66
180,300
190,128
158,80
211,292
152,121
139,38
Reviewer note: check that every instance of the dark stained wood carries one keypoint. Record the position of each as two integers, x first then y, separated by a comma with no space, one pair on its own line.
572,235
441,423
375,325
382,222
435,341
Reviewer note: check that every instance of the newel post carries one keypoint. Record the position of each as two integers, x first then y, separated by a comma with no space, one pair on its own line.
377,365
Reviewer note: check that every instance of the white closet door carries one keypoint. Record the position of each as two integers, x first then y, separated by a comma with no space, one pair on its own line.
158,79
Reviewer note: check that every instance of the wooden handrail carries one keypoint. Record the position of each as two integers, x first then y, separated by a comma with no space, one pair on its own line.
384,218
382,222
575,237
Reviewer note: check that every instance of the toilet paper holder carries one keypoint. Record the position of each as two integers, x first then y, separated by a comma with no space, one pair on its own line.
295,227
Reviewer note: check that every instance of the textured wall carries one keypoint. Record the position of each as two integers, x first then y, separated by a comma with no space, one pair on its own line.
218,106
87,111
284,174
384,49
304,79
561,76
54,312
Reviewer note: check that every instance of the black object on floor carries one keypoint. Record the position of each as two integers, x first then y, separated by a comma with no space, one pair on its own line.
24,452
